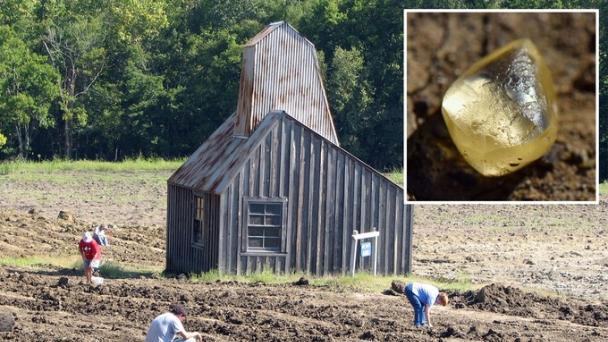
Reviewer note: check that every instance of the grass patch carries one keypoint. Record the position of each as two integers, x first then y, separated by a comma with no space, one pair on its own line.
57,165
114,270
39,262
111,270
7,168
362,281
207,277
604,188
120,175
395,176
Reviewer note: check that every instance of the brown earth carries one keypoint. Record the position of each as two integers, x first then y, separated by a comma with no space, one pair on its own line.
441,46
538,273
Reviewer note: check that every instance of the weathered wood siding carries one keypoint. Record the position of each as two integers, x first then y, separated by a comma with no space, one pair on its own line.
182,254
330,194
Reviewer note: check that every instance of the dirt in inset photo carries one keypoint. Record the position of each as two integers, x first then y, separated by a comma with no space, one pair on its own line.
441,47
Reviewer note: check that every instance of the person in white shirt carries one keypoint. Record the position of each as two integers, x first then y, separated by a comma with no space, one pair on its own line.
164,327
100,235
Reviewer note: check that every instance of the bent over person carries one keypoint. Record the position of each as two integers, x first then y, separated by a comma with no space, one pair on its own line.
164,327
91,255
423,297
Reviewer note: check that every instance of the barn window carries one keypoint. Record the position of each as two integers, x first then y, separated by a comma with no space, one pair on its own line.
199,222
265,225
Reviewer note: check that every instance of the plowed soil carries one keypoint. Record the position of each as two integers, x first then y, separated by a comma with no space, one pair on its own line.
537,272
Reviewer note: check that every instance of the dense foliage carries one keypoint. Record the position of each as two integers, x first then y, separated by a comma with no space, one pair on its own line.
116,79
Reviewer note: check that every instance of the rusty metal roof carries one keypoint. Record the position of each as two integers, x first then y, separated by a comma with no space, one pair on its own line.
214,165
281,72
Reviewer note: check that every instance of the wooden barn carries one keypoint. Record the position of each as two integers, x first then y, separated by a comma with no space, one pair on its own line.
272,189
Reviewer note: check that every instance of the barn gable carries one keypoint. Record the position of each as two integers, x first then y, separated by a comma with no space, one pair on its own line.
212,166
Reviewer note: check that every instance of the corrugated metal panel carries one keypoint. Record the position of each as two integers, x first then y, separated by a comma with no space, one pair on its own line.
281,72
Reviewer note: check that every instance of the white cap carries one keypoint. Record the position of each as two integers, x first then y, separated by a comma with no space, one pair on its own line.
87,237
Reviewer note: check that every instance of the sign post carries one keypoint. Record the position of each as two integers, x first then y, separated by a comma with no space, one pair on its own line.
367,249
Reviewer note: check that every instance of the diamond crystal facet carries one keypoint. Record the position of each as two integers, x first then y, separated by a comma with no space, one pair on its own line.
502,113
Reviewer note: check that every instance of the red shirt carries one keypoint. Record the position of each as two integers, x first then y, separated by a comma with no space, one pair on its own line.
90,249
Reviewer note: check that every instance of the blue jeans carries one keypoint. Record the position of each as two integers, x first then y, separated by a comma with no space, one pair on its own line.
102,241
419,317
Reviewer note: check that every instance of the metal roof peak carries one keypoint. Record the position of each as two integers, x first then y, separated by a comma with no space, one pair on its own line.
280,71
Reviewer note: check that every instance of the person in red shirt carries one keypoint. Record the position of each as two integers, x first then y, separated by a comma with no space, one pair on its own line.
91,254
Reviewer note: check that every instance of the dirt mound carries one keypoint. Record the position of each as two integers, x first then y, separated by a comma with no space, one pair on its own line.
514,301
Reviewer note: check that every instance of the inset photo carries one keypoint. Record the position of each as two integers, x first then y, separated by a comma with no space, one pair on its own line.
502,106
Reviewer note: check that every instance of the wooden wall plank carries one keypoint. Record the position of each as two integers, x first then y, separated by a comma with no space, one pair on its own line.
339,213
300,247
330,206
321,196
312,202
266,160
292,195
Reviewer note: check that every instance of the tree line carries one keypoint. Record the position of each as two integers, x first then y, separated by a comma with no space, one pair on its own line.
116,79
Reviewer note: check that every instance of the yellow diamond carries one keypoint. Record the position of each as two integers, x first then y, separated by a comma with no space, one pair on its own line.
502,112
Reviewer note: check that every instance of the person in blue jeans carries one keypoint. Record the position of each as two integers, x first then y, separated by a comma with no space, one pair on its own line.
423,297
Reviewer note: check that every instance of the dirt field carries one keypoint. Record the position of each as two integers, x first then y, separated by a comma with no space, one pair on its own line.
539,274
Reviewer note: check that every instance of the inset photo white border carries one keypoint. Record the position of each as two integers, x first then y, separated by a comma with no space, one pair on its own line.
440,45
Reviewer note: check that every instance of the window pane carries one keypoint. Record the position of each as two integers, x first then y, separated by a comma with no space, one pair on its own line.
198,231
273,232
264,226
272,243
256,243
256,231
256,219
273,220
256,208
274,208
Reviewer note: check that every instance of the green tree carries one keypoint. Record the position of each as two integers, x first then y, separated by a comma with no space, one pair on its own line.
2,140
349,97
75,48
374,28
29,85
